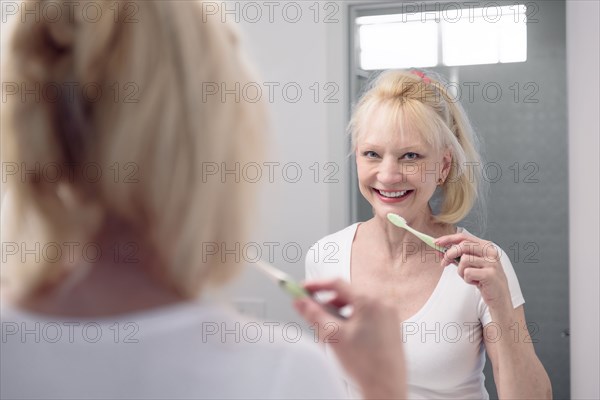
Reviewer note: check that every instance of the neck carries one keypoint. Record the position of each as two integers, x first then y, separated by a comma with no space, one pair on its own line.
120,281
400,244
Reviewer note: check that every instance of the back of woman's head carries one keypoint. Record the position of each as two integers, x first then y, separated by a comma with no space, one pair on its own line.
423,102
114,110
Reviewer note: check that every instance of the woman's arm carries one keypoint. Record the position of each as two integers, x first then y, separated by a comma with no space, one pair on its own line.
518,372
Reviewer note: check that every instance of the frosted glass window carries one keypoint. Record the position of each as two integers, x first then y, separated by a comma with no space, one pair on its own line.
472,36
392,45
494,39
513,41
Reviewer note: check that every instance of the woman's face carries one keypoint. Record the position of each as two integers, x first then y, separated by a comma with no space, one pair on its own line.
398,170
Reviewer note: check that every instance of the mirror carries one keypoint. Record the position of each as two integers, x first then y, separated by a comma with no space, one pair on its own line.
518,107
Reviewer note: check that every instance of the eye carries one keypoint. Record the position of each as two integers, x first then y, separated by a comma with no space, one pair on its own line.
370,154
411,156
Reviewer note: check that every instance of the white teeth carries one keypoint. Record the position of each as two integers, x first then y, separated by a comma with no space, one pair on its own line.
392,194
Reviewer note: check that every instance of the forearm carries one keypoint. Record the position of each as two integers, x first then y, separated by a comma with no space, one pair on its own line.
520,374
390,389
386,381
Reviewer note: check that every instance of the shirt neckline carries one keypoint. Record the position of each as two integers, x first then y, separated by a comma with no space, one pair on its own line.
439,287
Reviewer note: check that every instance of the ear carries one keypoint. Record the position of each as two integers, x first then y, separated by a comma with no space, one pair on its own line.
446,163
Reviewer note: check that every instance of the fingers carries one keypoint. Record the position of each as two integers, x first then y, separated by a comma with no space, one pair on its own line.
478,258
336,302
470,250
472,263
468,260
454,238
474,276
314,313
477,263
344,293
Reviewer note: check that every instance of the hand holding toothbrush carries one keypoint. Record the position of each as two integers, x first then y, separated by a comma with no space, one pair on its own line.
368,343
480,266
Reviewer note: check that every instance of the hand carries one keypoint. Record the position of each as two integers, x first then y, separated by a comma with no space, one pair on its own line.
480,266
368,344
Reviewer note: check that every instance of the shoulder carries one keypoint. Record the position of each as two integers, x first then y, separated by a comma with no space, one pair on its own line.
331,251
340,236
203,345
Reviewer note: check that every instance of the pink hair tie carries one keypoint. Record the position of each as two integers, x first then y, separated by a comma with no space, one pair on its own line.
421,75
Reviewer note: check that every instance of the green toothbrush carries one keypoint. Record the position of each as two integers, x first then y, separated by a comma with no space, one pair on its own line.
292,287
430,241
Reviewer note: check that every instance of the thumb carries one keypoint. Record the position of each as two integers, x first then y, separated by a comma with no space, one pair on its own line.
313,313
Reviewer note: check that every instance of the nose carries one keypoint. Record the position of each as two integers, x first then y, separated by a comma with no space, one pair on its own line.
389,172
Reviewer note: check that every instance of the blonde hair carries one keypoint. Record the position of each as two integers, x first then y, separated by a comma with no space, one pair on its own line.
422,102
154,123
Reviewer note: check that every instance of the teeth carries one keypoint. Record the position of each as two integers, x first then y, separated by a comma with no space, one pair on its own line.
393,194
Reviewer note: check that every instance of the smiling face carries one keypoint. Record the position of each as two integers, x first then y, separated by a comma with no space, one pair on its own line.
398,170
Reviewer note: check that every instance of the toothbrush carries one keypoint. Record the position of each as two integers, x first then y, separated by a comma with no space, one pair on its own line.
430,241
292,287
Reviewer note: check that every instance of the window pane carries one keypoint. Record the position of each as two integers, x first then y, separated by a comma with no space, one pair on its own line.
470,42
392,45
513,40
478,36
493,35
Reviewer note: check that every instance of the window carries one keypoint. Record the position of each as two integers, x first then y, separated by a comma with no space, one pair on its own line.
450,37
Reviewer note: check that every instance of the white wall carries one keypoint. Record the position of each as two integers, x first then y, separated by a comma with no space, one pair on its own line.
306,132
584,177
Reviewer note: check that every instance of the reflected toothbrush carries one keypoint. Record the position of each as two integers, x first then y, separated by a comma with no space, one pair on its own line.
430,241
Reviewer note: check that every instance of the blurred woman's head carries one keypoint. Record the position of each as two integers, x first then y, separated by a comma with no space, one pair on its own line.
130,136
409,136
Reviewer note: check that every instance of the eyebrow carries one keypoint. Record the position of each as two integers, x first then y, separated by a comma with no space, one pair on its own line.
411,147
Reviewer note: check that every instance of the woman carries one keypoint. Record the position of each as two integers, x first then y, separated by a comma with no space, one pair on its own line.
410,139
104,275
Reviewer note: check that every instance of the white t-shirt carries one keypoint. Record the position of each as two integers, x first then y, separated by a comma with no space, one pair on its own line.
443,344
191,350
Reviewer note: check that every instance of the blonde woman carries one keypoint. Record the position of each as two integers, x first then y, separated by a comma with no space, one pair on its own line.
105,132
410,139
